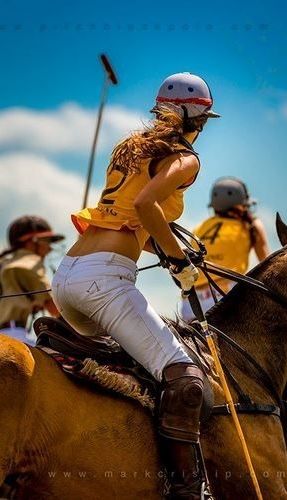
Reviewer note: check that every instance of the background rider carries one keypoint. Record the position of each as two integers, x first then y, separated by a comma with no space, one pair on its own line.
21,270
229,236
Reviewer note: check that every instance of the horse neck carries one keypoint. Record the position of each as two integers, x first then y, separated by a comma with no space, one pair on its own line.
17,368
257,324
37,424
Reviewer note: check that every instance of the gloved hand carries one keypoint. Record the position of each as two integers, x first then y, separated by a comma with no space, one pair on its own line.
183,272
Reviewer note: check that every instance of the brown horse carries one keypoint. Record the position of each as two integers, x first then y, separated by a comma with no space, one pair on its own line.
60,440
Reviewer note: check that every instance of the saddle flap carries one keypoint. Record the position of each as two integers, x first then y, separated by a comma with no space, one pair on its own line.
58,335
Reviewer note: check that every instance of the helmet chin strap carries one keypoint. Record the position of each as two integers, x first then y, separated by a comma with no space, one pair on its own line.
191,136
189,124
36,246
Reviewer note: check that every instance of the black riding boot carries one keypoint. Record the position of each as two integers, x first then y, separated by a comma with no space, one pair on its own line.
179,425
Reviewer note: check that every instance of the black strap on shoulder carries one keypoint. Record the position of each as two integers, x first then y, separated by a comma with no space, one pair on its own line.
154,161
187,144
152,166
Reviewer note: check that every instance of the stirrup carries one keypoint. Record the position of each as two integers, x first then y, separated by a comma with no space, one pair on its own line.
205,493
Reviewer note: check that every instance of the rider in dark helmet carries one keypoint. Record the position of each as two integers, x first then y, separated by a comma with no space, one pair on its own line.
229,236
31,227
22,269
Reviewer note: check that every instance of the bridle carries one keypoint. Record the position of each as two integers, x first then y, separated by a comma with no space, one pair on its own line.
245,404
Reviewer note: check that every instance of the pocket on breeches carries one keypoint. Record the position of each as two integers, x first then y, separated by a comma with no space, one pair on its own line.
85,296
92,296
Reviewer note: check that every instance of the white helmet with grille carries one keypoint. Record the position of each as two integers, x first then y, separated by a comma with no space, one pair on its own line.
188,93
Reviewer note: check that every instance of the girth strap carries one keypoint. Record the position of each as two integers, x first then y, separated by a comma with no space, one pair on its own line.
252,408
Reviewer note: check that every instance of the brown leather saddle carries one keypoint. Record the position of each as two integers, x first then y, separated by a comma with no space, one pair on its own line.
60,336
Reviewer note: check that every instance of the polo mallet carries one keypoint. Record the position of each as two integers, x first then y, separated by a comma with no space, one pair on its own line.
110,77
197,309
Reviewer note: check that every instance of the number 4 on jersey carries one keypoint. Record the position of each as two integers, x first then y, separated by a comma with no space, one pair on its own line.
212,233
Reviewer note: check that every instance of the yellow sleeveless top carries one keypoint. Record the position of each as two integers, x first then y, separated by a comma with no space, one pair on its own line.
115,210
228,244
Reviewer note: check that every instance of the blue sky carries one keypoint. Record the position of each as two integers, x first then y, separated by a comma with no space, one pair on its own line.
51,82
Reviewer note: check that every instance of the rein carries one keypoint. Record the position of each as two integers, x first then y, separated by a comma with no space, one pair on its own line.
245,405
35,292
197,258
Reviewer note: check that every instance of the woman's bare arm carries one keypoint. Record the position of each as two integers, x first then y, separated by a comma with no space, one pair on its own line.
172,173
260,245
148,246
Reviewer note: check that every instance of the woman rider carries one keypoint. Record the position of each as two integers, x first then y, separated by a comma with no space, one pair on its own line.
95,283
229,236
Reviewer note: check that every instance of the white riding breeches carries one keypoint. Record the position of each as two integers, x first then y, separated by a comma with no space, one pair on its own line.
99,289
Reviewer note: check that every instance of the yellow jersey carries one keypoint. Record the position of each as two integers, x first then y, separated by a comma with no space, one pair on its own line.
228,243
116,210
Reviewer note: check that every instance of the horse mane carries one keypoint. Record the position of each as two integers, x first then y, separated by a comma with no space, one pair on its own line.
188,336
235,294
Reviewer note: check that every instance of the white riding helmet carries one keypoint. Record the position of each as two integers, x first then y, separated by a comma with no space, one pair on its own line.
188,93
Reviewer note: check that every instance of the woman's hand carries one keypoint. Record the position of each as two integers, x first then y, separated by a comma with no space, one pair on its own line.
183,272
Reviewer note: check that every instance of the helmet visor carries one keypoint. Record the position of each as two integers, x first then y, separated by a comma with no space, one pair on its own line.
48,235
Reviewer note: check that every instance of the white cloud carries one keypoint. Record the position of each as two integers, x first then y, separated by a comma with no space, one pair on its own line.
69,128
31,184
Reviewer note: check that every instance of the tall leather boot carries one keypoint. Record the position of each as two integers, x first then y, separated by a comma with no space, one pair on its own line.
179,425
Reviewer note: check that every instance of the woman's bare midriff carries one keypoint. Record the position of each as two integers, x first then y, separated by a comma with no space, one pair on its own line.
97,239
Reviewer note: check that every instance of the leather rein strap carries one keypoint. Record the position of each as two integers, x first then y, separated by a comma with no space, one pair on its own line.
245,404
197,258
251,408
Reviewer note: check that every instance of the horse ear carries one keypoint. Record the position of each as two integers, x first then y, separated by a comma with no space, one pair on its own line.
281,230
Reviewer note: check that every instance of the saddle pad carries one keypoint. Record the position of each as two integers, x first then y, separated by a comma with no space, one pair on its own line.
111,378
